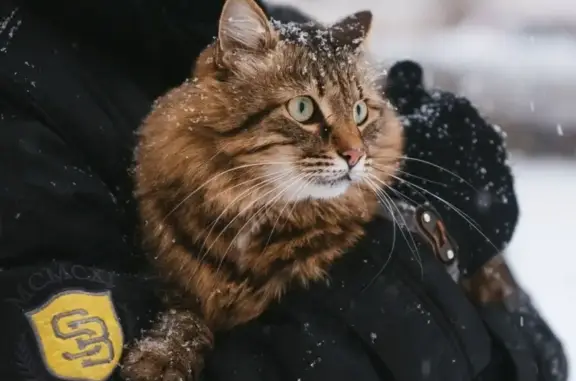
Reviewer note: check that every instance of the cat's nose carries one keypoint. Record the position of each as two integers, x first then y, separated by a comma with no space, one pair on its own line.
352,156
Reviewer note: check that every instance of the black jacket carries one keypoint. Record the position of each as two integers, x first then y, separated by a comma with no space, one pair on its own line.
76,79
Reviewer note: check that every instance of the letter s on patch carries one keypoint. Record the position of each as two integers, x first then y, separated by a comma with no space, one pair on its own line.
78,334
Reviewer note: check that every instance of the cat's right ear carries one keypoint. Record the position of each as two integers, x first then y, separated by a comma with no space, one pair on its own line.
244,26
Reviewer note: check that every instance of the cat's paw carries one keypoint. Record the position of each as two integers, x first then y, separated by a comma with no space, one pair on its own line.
153,360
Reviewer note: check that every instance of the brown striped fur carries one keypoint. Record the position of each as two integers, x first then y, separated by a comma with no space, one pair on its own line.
492,283
215,161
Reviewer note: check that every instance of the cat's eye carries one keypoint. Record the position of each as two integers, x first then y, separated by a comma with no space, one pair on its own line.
301,108
360,112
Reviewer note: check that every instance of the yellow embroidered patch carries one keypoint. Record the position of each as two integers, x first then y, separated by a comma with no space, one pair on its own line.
79,335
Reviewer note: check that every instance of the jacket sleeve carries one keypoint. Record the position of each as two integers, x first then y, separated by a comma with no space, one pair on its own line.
515,321
67,304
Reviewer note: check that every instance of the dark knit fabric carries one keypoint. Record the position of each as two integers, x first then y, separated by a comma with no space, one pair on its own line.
456,161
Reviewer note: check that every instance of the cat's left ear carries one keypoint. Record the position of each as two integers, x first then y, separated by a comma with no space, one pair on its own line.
354,29
244,26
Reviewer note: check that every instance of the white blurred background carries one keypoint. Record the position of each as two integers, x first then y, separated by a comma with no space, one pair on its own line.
516,60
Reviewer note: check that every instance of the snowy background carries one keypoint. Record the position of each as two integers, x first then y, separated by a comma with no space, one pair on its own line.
516,60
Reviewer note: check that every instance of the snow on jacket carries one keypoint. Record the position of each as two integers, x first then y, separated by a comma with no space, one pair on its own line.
76,79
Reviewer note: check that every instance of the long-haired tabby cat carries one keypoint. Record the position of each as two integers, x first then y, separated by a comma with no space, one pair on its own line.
255,175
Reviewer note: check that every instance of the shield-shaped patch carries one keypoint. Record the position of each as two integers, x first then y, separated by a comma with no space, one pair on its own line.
78,334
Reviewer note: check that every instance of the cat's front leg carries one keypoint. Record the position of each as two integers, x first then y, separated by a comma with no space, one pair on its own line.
173,350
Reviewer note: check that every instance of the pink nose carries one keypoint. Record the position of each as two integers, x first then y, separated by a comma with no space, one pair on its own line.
352,156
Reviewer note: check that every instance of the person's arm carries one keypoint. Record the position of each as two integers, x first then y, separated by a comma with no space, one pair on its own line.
503,304
66,309
457,161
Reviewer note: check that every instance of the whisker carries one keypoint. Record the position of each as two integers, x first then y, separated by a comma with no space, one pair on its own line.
400,194
306,183
207,237
390,253
357,185
208,251
248,207
413,176
265,206
302,187
270,178
207,162
397,192
242,183
390,204
238,215
432,165
466,217
217,176
461,213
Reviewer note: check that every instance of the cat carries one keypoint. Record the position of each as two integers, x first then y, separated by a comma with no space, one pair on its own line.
255,175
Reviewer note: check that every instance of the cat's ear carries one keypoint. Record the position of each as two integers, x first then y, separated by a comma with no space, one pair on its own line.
354,29
244,26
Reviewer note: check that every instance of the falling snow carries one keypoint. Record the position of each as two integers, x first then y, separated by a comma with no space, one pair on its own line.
8,28
508,77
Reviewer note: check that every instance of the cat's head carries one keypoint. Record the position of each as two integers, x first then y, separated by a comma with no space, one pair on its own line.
298,104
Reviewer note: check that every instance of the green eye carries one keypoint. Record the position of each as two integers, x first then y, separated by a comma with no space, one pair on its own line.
301,108
360,112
